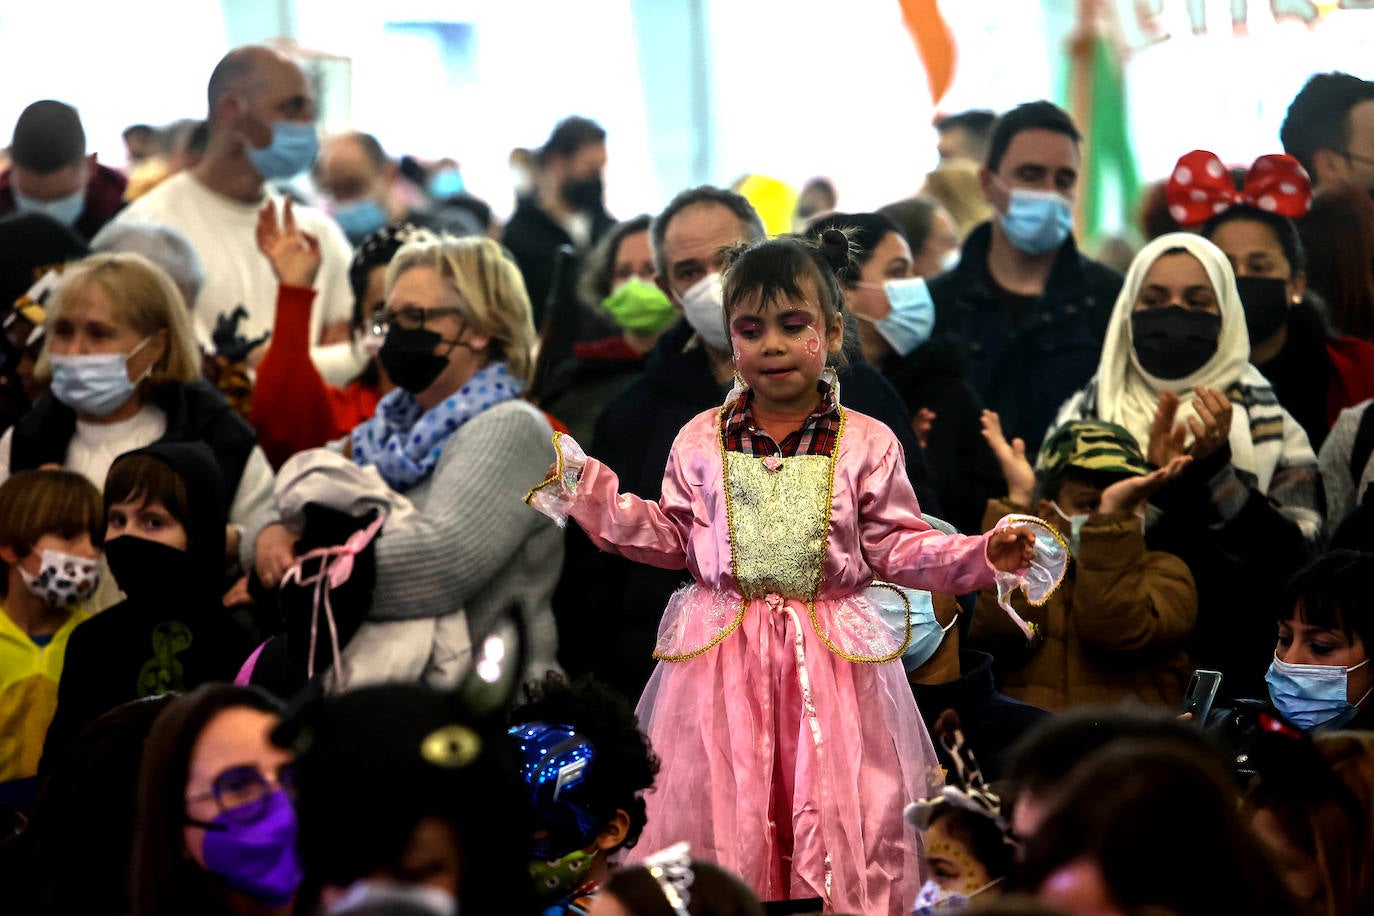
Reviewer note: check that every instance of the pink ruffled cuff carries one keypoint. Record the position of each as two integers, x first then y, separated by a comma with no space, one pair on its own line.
554,497
1042,577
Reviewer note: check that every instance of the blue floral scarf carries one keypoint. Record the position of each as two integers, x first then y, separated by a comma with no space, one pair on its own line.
404,442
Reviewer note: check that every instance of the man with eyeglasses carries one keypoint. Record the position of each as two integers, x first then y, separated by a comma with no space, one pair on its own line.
1330,130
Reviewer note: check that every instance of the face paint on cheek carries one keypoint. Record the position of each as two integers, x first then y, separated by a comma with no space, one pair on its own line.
814,348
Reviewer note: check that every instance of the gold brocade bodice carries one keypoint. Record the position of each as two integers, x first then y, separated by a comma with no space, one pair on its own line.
779,520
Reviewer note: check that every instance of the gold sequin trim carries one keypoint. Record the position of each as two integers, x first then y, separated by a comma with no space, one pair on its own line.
863,659
557,471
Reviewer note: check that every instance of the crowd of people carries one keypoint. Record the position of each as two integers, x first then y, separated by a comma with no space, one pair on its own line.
919,562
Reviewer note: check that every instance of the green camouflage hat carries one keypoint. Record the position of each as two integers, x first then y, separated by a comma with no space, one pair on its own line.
1091,445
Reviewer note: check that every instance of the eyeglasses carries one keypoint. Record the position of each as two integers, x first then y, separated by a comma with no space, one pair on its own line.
409,318
242,793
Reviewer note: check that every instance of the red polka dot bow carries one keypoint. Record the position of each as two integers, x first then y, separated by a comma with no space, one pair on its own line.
1201,187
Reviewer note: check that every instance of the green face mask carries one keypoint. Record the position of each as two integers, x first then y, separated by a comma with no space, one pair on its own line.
557,878
637,305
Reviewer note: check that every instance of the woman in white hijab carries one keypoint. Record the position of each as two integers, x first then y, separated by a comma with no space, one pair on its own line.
1176,372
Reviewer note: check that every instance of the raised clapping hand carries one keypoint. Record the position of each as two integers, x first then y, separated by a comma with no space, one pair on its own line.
294,254
1133,492
1017,471
1211,428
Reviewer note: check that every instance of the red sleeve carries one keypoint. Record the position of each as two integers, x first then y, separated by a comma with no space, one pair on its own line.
1352,381
293,408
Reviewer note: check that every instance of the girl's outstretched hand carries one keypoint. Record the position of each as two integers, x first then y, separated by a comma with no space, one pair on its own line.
1011,549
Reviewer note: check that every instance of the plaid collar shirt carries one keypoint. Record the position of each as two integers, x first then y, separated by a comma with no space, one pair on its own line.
817,435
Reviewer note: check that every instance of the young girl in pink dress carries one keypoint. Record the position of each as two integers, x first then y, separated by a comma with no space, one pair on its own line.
789,739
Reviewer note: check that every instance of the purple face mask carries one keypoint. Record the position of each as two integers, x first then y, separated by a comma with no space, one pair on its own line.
257,857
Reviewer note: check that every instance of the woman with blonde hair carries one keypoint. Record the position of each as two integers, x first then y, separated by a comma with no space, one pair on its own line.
123,371
457,441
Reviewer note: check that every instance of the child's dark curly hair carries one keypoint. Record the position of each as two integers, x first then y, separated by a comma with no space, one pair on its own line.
625,765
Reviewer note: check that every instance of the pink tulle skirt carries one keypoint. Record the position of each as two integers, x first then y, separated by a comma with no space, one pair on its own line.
783,761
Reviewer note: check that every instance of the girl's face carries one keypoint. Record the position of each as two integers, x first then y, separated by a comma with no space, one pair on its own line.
1300,643
1177,280
233,764
952,863
148,520
780,348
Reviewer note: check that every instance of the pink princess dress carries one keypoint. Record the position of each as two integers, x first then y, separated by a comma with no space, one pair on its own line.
787,731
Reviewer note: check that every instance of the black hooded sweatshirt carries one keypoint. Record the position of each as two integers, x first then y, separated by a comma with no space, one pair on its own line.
172,632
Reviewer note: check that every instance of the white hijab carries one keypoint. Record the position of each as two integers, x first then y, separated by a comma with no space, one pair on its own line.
1126,393
1263,437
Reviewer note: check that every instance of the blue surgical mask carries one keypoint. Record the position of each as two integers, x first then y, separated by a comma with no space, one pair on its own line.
66,210
912,317
1076,523
446,183
292,150
1037,222
360,218
97,384
926,632
1312,696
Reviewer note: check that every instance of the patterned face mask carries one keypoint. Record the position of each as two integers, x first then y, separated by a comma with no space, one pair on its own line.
63,580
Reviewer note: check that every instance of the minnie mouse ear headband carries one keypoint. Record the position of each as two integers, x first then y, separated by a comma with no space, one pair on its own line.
1201,187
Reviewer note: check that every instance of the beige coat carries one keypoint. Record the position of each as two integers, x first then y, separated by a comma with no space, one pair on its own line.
1115,630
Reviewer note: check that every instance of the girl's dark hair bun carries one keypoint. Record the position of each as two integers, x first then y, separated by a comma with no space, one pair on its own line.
834,246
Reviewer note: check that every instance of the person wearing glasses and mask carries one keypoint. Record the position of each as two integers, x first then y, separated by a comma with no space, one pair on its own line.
215,831
458,441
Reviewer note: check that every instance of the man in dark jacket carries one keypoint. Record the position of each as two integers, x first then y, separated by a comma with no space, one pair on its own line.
51,173
566,207
608,607
1024,311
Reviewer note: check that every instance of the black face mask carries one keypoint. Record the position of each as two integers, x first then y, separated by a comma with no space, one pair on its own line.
1174,342
1266,306
583,193
146,569
409,359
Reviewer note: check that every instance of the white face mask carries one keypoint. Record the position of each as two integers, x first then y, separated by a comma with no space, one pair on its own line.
1076,523
704,305
933,899
63,580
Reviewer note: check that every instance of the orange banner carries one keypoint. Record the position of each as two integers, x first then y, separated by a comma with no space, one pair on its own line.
934,42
